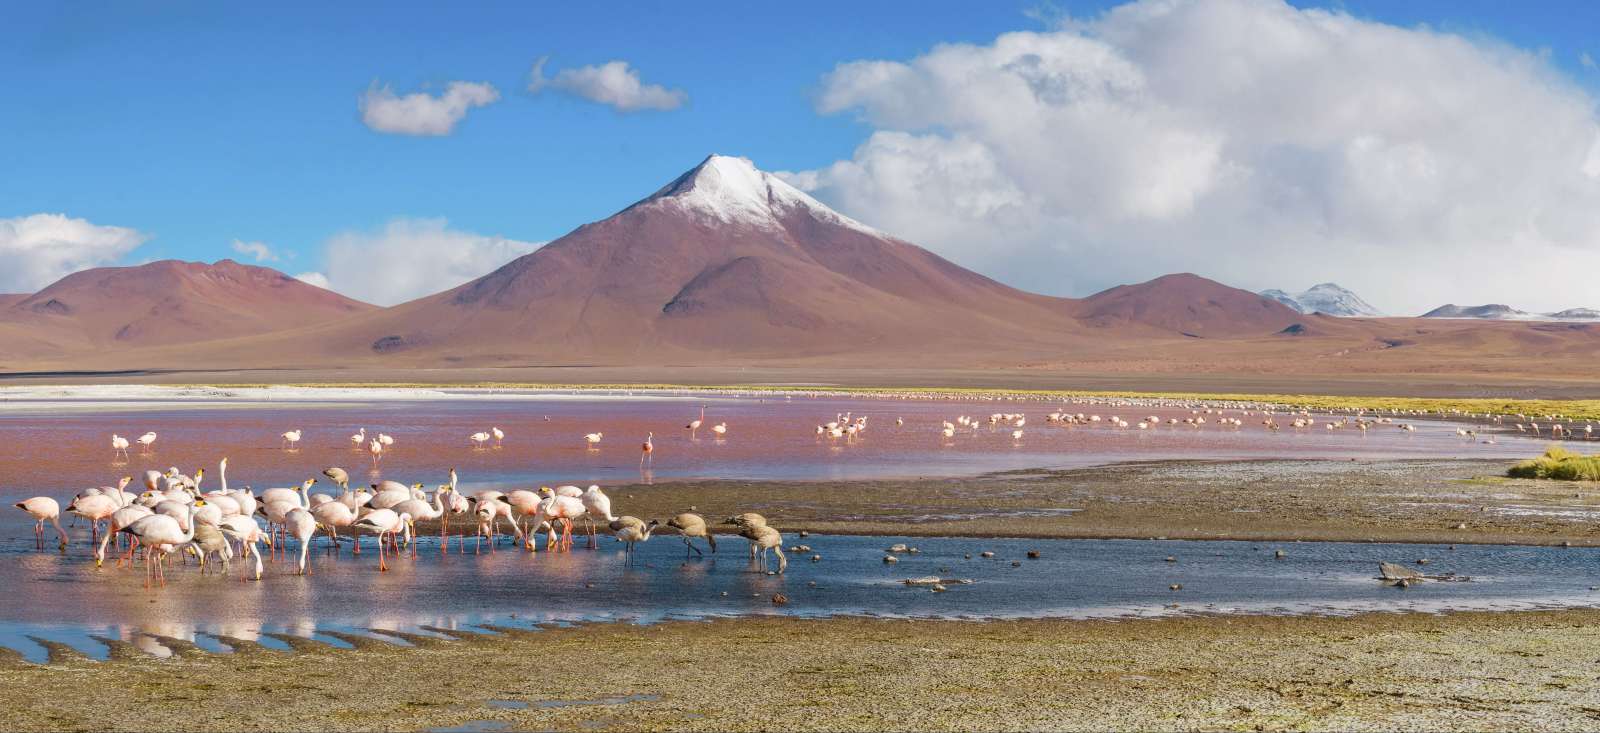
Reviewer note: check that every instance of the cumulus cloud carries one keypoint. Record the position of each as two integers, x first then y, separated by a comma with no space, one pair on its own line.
41,248
259,251
1247,140
613,83
410,258
315,278
420,113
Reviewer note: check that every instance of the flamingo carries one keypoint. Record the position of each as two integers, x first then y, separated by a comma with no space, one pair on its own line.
419,509
695,424
358,439
119,444
147,440
478,439
247,533
385,522
595,505
43,509
631,535
160,533
555,507
335,514
720,429
376,448
646,449
498,434
95,508
291,438
302,525
766,538
593,439
691,525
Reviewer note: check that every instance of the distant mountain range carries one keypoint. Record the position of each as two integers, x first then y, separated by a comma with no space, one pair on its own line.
729,266
1501,312
1326,298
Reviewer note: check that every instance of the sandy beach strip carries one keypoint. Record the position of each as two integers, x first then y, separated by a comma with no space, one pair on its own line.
1477,671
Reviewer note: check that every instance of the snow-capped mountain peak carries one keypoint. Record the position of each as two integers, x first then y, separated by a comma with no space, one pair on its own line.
1326,298
732,190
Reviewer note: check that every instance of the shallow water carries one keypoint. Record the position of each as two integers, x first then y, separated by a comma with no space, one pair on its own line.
48,447
63,598
58,448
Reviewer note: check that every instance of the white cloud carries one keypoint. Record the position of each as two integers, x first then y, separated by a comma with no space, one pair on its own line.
1587,60
41,248
1247,140
314,278
612,83
420,113
410,258
259,251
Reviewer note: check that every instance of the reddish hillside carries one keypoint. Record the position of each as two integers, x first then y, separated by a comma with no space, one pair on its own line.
1190,305
171,302
724,261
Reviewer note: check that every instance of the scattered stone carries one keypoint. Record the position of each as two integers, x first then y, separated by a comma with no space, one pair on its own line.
899,549
937,588
724,593
1016,563
1567,543
1393,574
1403,583
925,580
986,553
778,599
1280,554
967,556
1175,586
913,550
1033,554
816,558
812,583
890,559
1423,561
1462,525
1171,559
804,534
1452,548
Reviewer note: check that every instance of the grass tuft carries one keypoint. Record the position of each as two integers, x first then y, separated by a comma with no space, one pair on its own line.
1560,464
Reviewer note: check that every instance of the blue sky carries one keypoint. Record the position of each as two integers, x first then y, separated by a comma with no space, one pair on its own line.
198,124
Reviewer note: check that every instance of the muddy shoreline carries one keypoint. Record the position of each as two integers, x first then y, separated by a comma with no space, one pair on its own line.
1412,501
1477,671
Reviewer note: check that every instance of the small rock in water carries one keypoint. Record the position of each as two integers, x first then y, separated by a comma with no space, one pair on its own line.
724,593
1452,548
1280,554
986,553
913,550
779,599
1016,563
1403,583
890,558
898,548
1462,525
1033,554
1175,586
938,588
812,583
816,558
1171,559
1567,543
967,556
804,534
1423,561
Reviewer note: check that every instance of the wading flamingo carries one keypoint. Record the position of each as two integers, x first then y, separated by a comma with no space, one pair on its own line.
593,439
119,444
147,440
385,522
498,434
631,535
478,439
694,425
160,534
646,449
302,526
44,509
691,525
291,438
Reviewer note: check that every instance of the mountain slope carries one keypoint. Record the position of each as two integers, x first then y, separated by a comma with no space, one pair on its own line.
169,302
724,261
1190,305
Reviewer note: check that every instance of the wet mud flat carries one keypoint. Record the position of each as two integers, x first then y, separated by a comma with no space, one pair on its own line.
1479,671
1425,500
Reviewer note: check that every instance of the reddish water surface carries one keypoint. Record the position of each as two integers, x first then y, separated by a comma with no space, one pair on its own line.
59,450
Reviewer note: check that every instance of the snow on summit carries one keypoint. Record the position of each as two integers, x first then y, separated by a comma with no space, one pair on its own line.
732,190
